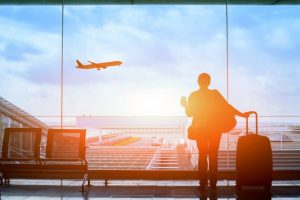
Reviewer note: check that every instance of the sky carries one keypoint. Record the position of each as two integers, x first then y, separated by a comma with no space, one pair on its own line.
163,50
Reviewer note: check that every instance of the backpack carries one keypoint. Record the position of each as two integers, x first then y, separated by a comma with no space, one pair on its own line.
220,116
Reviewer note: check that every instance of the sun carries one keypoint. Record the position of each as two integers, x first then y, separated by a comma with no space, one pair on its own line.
153,103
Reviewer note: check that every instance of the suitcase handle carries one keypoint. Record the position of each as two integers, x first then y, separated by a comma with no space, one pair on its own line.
256,123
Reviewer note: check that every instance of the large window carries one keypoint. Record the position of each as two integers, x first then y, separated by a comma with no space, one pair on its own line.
163,49
265,68
30,56
264,60
134,110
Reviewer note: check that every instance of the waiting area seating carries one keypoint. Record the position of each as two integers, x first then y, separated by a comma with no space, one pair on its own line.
20,153
64,157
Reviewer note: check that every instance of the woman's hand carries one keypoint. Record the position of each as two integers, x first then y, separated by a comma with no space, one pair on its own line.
246,114
183,101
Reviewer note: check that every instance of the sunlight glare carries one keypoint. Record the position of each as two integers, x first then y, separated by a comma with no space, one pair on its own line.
152,103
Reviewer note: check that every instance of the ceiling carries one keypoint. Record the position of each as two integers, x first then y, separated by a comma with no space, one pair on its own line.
128,2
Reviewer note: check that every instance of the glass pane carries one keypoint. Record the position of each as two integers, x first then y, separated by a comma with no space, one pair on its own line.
264,75
130,111
21,145
65,145
30,56
264,61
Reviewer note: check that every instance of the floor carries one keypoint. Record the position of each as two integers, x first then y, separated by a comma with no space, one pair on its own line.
120,189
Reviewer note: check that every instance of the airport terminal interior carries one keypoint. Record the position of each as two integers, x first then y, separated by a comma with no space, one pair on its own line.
96,87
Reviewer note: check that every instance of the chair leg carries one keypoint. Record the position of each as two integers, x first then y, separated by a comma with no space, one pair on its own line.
85,178
82,188
6,181
89,181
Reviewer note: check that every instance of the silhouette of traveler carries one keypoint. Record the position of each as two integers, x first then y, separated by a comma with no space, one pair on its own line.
207,108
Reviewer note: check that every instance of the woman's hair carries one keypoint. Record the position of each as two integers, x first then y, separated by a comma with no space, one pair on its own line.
204,79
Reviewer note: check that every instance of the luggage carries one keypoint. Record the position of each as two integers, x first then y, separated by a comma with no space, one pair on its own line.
213,113
254,160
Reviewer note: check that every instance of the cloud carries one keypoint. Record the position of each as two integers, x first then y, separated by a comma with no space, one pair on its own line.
123,37
163,49
18,51
36,99
28,52
37,17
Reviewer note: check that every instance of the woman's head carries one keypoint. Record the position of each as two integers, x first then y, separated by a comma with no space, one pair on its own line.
204,80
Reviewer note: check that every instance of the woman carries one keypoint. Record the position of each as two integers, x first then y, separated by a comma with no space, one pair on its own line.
207,107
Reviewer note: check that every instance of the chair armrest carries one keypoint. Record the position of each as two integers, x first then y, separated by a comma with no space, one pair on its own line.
61,159
17,159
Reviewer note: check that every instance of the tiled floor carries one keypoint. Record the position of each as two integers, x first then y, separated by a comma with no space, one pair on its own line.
49,189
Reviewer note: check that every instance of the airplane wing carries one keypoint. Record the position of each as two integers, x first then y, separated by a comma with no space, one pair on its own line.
92,62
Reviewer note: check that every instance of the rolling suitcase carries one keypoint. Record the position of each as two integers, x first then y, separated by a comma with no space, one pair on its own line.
254,163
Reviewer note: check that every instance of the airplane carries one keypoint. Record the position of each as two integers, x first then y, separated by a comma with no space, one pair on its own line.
97,66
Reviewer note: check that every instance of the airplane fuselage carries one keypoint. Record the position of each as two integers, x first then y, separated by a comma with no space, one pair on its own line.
98,65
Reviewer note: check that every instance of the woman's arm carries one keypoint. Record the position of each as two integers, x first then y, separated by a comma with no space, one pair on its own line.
187,105
236,111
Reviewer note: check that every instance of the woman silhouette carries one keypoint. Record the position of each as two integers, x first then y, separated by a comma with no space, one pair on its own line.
206,107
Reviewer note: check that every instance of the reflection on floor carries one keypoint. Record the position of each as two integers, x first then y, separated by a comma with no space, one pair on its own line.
51,189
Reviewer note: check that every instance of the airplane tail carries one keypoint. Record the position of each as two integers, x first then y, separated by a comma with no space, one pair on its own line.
79,63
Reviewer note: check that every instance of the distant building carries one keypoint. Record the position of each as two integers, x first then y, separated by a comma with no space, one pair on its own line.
171,128
12,116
